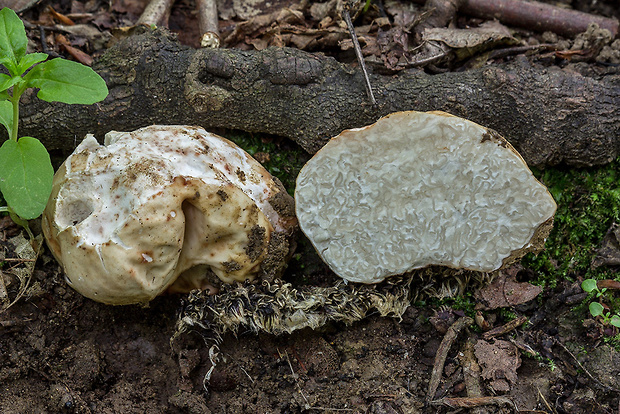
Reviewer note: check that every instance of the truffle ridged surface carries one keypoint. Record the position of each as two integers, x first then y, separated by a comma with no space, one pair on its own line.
418,189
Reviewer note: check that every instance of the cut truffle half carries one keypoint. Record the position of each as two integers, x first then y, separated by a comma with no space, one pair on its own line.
420,189
165,207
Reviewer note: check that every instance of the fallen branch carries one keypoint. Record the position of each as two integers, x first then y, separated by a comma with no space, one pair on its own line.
467,402
536,16
471,375
442,354
550,115
156,13
208,23
504,329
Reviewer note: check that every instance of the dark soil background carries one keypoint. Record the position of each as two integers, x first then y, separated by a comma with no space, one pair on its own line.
63,353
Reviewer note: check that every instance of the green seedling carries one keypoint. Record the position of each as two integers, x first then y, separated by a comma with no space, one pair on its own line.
596,308
26,171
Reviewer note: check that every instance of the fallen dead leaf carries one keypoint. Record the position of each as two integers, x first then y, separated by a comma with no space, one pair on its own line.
468,42
609,252
506,291
82,57
499,361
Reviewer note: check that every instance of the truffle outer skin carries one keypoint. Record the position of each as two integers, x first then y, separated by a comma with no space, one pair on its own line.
419,189
160,206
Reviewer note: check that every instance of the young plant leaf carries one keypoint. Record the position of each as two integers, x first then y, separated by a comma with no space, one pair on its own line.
29,60
61,80
596,309
26,175
6,115
615,321
588,285
13,40
7,81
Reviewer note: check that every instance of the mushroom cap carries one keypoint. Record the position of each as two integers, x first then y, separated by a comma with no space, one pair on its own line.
418,189
164,205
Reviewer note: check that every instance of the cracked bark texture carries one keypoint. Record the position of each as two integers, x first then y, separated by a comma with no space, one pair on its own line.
550,115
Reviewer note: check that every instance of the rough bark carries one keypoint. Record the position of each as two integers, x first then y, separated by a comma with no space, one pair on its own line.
550,115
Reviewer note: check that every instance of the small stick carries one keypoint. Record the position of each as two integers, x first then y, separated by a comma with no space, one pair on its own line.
471,374
156,13
608,284
500,330
15,259
4,295
536,16
440,13
307,406
208,23
596,381
358,52
442,354
467,402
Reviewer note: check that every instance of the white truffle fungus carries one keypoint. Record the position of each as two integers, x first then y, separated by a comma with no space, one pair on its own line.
419,189
161,207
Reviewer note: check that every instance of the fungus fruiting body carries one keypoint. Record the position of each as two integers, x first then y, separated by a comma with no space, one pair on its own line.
165,207
420,189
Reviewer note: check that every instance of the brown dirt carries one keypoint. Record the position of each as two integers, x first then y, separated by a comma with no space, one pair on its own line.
62,353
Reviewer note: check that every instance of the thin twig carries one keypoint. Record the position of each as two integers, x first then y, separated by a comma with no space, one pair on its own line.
156,13
442,354
4,294
208,23
605,387
14,259
473,402
549,407
296,379
471,374
358,52
501,330
533,15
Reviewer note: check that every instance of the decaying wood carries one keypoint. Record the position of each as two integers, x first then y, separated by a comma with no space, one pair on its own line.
442,354
208,23
156,13
471,375
537,16
550,115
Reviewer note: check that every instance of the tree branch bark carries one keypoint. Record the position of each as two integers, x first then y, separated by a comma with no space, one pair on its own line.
550,115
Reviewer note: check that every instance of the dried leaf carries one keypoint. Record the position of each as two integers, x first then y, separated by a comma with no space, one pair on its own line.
468,42
25,254
321,11
77,54
256,26
499,361
506,291
19,5
60,17
609,252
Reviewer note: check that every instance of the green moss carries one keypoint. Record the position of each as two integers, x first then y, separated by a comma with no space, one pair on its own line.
588,203
284,160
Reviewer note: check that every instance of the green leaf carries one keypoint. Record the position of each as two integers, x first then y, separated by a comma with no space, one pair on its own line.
13,40
6,115
61,80
31,59
7,81
589,285
615,321
596,309
26,175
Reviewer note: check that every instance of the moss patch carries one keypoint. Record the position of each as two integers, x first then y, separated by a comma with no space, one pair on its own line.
282,158
588,204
